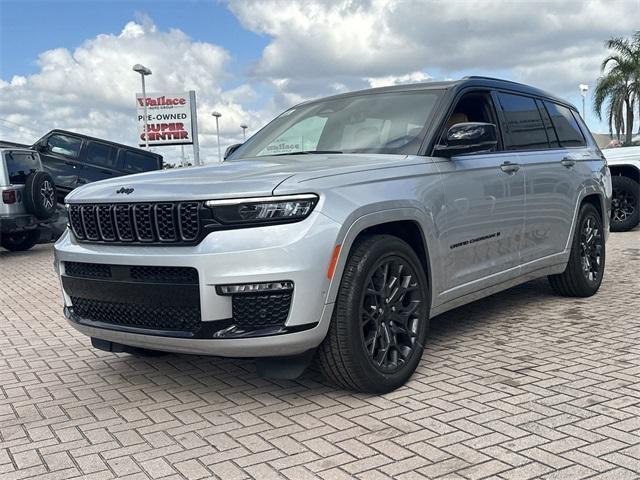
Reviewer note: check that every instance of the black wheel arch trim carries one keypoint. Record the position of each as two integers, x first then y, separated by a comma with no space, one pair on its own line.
355,228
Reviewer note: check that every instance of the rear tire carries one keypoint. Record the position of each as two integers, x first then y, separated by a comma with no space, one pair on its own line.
20,241
625,203
585,269
380,319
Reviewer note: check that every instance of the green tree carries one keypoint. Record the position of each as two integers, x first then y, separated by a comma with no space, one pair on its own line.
618,89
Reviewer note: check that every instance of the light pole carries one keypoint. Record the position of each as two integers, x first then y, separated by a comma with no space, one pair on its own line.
244,130
144,71
584,88
218,115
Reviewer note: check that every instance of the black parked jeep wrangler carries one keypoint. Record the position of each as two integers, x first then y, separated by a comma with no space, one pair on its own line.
73,159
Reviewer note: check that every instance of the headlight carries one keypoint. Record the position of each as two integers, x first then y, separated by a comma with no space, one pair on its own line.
263,210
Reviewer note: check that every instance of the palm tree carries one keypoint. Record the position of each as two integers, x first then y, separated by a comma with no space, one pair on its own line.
619,87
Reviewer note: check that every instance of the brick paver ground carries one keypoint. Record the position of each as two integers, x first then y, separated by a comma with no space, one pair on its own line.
521,385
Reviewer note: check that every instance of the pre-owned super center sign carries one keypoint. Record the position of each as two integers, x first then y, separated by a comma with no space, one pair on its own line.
170,118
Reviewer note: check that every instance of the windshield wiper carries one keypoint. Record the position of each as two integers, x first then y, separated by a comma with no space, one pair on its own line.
305,152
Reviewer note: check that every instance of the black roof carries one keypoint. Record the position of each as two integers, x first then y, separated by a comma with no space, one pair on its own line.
471,81
6,144
121,145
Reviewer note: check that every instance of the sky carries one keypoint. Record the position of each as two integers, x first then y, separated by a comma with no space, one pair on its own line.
67,64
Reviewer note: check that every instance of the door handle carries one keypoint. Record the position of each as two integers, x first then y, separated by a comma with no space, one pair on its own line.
568,162
508,167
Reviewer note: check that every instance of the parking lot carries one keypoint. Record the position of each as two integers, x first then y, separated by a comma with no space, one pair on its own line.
521,385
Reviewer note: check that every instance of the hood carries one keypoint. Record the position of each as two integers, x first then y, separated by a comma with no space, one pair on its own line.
236,178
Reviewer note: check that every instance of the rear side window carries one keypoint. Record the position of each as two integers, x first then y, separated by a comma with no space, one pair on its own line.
64,145
548,126
567,128
138,162
583,126
101,154
524,127
20,165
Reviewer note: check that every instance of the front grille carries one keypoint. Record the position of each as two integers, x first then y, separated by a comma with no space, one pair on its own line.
88,219
189,224
146,223
105,222
87,270
148,297
135,273
123,223
264,310
157,317
143,222
184,275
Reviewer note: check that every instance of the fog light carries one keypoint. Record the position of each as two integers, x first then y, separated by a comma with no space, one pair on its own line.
280,286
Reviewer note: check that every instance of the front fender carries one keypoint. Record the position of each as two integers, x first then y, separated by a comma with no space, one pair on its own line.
361,221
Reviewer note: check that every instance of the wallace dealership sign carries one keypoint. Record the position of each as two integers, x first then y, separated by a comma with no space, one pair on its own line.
170,118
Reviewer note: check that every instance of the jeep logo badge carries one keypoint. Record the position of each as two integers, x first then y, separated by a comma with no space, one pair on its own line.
124,190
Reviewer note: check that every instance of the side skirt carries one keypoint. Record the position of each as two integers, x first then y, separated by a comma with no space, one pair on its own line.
498,287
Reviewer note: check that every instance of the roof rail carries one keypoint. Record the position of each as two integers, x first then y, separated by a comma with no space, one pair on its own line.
482,77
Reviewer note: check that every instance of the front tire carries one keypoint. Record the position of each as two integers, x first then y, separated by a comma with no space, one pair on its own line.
583,275
625,203
380,319
20,241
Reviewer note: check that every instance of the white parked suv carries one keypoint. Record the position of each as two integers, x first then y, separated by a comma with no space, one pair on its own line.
28,203
338,230
624,164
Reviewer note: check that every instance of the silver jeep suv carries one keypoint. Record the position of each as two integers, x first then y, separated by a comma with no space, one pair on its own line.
28,207
338,230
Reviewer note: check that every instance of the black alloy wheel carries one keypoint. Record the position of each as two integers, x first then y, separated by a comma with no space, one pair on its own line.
390,314
591,246
625,207
585,268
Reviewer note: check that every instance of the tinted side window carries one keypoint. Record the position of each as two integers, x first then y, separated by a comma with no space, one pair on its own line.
138,162
566,126
20,165
583,126
548,126
101,154
525,130
64,145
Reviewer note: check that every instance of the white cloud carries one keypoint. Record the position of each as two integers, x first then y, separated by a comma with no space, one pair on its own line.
388,80
92,88
316,48
554,44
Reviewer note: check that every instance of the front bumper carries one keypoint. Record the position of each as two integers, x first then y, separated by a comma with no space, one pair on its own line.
298,252
269,346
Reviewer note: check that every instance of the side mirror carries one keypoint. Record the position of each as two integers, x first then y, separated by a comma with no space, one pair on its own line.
469,137
40,147
231,149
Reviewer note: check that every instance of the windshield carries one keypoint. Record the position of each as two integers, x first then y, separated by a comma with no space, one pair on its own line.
393,122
